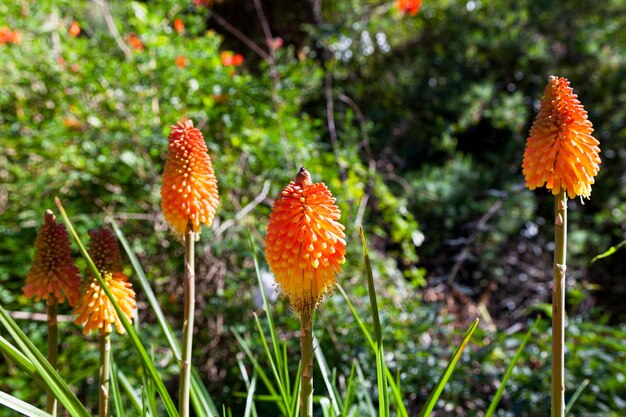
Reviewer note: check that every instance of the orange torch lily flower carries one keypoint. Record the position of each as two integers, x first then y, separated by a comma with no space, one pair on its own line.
560,152
189,192
53,272
305,244
95,310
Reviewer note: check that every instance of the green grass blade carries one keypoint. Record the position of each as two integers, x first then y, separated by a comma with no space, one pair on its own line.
250,399
135,400
366,400
434,395
268,313
201,400
509,370
397,395
335,398
381,367
52,381
259,369
294,409
277,377
609,252
577,393
116,395
134,338
350,391
17,357
20,406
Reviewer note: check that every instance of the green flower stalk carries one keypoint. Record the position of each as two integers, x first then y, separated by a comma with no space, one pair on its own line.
561,154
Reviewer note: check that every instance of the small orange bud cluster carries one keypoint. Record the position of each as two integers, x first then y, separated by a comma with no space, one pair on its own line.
53,273
95,310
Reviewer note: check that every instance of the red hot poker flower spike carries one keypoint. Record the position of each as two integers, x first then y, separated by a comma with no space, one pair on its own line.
53,273
305,244
560,152
94,309
189,192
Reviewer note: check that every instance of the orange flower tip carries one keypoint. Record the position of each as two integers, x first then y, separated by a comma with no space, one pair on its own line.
53,275
189,193
96,312
561,152
305,243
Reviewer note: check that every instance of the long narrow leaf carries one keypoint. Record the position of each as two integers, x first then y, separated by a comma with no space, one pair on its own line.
134,338
49,376
20,406
381,367
135,400
116,395
509,370
434,395
577,393
335,398
277,377
201,400
250,400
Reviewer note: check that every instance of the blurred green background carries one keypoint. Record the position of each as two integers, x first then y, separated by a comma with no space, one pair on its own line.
416,123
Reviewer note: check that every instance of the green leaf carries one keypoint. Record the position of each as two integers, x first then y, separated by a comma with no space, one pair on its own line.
333,393
147,363
116,396
577,393
381,367
20,406
201,400
434,395
496,398
135,399
609,252
52,381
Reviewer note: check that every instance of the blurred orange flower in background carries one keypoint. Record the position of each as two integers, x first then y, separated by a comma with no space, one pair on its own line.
135,42
8,36
74,29
179,26
95,310
200,3
409,6
230,59
189,192
181,61
305,243
53,272
560,152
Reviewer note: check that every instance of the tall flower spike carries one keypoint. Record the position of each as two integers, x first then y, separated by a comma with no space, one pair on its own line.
95,310
560,152
53,272
305,244
189,192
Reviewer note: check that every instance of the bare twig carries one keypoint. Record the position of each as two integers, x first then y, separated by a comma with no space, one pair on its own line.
479,227
246,210
24,315
239,35
108,18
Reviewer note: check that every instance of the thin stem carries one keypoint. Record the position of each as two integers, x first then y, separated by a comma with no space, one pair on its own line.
558,305
190,300
104,373
53,348
306,347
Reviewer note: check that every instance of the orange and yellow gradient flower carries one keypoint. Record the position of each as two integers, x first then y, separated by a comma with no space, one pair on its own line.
189,192
305,244
95,310
53,273
560,152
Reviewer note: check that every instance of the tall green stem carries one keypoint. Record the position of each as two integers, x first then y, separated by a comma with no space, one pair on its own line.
306,347
53,348
558,305
104,373
190,300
